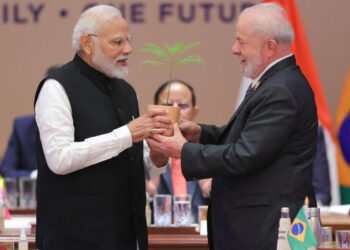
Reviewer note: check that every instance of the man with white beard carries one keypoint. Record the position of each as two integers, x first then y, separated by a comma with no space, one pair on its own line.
91,166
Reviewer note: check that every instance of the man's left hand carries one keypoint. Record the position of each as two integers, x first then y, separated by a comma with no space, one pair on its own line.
169,146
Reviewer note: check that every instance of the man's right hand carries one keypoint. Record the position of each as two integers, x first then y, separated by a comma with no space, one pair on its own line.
154,122
190,130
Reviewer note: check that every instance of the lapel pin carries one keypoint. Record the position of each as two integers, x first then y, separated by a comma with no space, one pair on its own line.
257,85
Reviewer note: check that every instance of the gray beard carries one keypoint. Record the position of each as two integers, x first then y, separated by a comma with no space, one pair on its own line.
251,66
109,66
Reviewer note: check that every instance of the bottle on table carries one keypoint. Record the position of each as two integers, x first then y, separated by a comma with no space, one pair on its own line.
315,225
284,225
23,242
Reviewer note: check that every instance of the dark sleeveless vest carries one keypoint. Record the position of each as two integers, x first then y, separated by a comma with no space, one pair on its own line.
101,206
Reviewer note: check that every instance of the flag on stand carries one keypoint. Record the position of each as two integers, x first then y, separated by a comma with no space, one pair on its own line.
303,55
342,128
300,235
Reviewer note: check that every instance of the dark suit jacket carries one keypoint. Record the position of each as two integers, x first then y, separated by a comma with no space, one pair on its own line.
166,187
19,159
261,160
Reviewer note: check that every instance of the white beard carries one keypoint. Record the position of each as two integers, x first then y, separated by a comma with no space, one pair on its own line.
251,66
109,66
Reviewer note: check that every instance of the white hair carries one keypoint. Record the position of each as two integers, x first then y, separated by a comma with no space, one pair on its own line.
90,22
271,22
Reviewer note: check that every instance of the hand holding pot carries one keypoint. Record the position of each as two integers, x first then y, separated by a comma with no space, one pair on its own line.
190,130
152,123
169,146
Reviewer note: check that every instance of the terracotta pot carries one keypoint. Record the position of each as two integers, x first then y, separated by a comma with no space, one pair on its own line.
173,114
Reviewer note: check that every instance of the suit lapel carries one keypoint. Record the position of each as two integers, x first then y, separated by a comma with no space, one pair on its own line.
247,97
229,124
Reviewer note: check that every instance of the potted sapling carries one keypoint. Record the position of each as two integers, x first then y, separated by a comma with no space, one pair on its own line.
173,57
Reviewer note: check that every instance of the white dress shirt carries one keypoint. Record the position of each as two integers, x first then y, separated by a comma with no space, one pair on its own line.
53,115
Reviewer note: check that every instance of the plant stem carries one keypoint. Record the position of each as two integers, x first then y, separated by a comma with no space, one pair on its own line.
171,77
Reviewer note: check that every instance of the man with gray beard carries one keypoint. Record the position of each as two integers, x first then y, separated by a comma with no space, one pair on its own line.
91,164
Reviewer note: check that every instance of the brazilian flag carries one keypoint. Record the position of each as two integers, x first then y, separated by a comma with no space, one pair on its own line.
300,235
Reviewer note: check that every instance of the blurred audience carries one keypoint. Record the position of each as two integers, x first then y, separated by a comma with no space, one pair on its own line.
20,158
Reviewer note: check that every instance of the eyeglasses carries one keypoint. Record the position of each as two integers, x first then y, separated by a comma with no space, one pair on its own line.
181,105
119,41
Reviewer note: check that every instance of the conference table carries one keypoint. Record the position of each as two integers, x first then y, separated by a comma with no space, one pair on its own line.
167,238
169,241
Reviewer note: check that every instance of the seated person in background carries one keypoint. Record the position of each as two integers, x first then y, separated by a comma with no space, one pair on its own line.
172,181
20,157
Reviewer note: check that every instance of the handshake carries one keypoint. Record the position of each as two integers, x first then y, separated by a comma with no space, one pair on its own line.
152,127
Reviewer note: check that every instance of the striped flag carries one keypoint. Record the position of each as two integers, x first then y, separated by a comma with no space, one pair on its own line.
303,55
342,127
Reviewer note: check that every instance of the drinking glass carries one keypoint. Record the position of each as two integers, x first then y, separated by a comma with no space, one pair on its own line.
342,238
27,193
182,210
326,240
11,192
162,210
